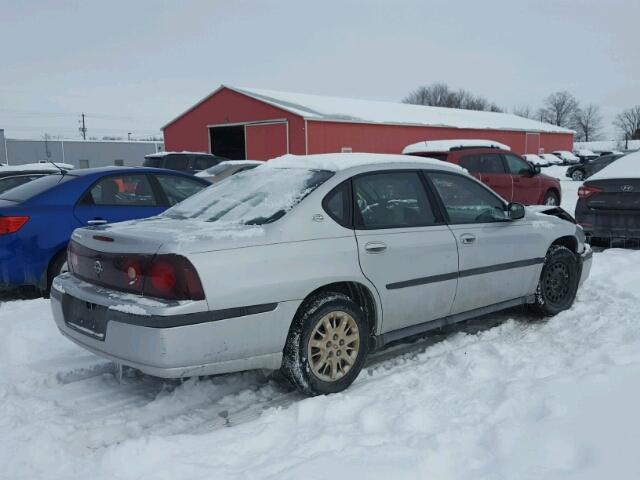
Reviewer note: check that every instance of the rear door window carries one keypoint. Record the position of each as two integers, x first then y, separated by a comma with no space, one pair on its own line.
201,162
121,190
392,200
176,189
176,162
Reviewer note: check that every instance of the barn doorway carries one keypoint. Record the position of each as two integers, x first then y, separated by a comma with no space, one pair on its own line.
228,142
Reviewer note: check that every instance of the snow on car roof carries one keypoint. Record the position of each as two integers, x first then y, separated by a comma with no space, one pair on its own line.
566,154
625,167
42,167
585,152
434,146
323,108
184,152
342,161
241,162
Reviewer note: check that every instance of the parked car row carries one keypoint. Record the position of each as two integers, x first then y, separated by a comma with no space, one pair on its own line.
306,264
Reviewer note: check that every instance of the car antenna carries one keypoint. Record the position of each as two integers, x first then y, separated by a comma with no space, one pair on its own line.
62,170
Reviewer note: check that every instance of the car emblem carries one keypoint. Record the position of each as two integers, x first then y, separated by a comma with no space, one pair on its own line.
627,188
97,267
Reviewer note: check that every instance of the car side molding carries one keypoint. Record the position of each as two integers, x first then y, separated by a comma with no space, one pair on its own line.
381,340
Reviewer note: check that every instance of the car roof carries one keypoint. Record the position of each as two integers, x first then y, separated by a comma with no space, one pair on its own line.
443,146
165,154
343,161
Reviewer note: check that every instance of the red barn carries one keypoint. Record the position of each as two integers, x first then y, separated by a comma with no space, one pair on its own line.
243,123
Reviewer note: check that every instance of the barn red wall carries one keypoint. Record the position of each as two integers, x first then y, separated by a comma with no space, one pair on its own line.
190,131
325,137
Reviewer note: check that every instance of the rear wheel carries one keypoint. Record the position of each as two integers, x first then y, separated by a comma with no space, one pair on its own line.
577,175
551,198
558,282
327,345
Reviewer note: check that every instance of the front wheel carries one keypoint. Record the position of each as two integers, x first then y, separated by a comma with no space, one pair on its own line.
551,199
577,175
558,283
327,345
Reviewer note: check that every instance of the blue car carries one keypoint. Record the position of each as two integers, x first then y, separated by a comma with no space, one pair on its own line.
37,218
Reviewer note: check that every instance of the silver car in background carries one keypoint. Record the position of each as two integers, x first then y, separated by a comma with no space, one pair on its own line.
306,264
226,169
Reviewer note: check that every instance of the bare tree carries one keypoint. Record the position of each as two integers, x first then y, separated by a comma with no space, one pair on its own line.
559,109
628,122
440,95
587,122
524,111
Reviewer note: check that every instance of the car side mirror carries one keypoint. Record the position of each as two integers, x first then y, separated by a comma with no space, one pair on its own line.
515,211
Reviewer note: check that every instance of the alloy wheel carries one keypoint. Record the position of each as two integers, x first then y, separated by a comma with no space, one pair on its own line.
578,176
333,346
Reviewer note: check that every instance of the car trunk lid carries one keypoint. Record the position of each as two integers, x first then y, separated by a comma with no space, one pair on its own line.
619,195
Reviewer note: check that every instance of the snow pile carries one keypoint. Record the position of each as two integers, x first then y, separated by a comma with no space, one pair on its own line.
436,146
625,167
551,399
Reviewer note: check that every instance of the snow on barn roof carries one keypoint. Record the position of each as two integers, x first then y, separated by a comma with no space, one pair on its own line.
338,109
436,146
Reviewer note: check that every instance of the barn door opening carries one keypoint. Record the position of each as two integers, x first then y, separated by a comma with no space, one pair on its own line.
228,142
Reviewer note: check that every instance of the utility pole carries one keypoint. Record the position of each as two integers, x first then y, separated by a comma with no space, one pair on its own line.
129,137
83,128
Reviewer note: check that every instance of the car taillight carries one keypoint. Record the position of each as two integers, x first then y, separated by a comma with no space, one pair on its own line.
163,276
172,277
11,224
586,191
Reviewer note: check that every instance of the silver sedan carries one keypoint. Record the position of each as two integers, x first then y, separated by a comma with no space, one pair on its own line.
308,263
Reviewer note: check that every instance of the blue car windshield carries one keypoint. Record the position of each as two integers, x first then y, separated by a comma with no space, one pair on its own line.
29,190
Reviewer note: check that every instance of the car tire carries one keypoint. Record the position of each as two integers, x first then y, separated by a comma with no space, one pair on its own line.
315,364
558,282
577,175
57,266
551,198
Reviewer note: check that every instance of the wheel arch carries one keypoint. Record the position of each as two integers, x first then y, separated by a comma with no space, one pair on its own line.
360,293
568,241
554,190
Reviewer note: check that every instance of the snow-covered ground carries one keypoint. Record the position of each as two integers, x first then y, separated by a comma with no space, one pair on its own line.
520,400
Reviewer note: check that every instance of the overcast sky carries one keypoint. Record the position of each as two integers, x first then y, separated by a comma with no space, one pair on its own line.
133,65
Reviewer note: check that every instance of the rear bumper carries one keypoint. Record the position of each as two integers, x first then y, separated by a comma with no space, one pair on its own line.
614,225
171,339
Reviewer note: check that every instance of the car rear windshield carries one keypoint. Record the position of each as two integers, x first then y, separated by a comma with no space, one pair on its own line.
33,188
152,162
254,197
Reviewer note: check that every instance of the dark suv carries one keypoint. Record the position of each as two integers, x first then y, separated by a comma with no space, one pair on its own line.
506,173
187,162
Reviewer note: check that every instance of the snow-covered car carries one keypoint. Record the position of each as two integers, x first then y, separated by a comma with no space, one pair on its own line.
551,159
585,155
535,160
567,157
226,169
308,263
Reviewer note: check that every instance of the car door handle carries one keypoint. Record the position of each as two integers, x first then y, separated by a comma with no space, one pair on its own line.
467,238
375,247
97,221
